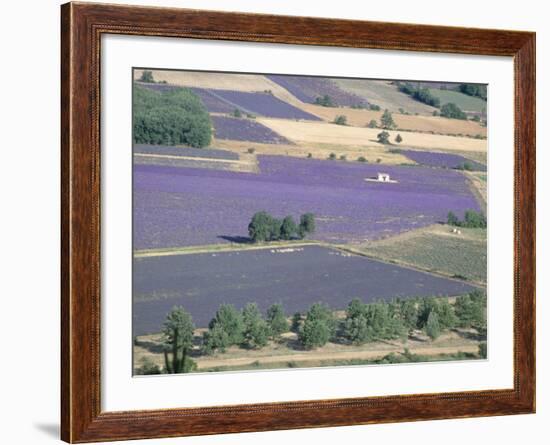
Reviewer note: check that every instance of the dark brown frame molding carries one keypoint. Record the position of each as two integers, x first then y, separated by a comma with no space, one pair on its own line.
82,25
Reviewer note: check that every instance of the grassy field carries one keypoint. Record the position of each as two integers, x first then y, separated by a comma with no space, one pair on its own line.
439,125
287,352
436,248
384,94
464,102
326,133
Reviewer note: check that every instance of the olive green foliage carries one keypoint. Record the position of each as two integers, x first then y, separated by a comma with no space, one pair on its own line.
446,316
343,157
374,107
148,367
374,321
383,137
419,94
288,228
264,227
482,349
237,113
465,166
307,225
341,120
452,111
472,220
362,159
332,156
276,320
386,121
471,310
225,329
475,90
398,139
325,101
256,330
147,76
318,327
372,124
175,117
178,339
433,327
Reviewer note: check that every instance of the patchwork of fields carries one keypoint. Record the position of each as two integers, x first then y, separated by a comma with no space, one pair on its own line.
296,278
277,150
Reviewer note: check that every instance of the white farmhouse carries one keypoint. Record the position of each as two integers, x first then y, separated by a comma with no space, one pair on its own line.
382,177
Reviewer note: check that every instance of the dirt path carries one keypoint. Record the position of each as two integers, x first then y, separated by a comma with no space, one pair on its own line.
344,355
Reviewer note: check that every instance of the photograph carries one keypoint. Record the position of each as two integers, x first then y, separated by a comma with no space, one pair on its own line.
289,221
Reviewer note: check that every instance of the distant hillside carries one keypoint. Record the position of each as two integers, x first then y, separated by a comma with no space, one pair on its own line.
384,94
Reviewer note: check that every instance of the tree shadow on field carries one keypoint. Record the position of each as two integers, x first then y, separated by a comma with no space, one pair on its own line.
236,239
151,346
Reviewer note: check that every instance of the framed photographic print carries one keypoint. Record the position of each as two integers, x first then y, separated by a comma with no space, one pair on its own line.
284,222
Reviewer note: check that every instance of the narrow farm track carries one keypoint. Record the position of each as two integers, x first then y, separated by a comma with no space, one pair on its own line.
345,355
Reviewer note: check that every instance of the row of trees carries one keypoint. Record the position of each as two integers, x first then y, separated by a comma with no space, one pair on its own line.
420,94
472,219
170,118
264,227
363,322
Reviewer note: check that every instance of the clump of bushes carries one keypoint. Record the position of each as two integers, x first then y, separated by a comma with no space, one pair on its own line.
419,94
325,101
472,219
318,327
362,159
341,120
264,227
452,111
386,121
383,137
372,124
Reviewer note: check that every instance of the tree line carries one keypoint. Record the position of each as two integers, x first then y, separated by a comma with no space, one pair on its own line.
362,323
264,227
472,220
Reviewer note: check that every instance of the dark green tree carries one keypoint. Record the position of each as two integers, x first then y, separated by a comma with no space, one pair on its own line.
383,137
256,329
307,225
230,321
325,101
215,339
386,121
260,227
178,339
452,111
398,139
147,77
288,228
452,219
318,327
372,124
471,310
341,120
433,329
276,320
237,113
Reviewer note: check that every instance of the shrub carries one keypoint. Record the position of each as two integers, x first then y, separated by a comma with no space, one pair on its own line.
343,157
276,320
378,160
452,111
372,124
148,367
215,339
309,155
251,150
383,137
237,113
341,120
332,156
435,113
362,159
325,101
398,139
374,107
256,330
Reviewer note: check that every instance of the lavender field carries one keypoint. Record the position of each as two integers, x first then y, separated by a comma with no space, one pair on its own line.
185,206
442,160
307,89
242,129
202,282
262,104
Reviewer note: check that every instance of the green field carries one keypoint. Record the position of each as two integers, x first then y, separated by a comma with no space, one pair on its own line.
463,101
437,249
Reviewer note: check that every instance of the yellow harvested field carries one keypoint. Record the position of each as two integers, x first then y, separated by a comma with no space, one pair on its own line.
327,133
360,118
222,81
317,151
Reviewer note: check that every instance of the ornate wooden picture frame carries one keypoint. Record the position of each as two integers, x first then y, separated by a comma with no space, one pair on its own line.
82,26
